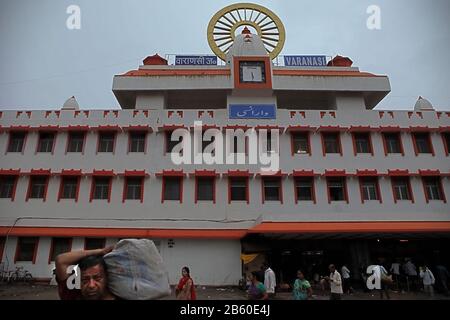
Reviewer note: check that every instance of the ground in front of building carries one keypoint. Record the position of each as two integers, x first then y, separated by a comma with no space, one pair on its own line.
47,292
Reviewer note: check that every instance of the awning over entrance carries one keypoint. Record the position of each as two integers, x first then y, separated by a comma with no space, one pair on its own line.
352,230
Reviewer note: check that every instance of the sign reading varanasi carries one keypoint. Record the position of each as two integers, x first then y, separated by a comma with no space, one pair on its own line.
305,61
252,111
196,60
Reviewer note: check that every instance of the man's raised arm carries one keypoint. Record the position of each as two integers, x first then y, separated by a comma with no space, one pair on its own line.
64,260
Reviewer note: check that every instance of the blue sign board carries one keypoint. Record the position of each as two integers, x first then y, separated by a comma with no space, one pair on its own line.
252,111
305,61
196,60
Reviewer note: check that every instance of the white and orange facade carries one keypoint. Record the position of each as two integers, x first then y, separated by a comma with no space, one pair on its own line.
74,178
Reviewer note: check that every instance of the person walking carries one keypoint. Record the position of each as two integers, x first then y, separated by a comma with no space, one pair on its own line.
185,289
385,281
335,281
257,290
428,280
269,280
346,286
302,288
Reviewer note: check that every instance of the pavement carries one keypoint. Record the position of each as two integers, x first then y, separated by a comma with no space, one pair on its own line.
47,292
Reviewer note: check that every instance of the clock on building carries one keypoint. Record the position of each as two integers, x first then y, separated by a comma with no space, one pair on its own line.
252,73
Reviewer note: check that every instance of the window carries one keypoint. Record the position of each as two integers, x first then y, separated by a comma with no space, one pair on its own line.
106,141
362,143
101,188
169,143
272,189
205,189
401,188
16,141
69,188
7,186
269,141
369,188
304,189
422,143
238,189
59,245
331,143
46,140
337,189
172,188
94,243
134,188
239,143
433,188
300,143
38,187
76,142
206,143
2,246
392,143
26,249
446,141
137,141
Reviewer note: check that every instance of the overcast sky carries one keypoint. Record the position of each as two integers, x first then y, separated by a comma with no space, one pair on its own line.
42,62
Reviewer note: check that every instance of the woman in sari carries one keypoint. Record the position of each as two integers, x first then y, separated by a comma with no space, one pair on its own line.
302,288
185,289
257,290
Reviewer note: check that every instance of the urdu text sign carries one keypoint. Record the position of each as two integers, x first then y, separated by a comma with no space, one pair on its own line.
252,111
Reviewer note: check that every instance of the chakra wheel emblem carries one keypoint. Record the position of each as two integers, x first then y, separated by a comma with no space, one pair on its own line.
223,25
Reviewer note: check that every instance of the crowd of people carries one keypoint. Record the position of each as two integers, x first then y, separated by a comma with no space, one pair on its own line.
398,276
261,284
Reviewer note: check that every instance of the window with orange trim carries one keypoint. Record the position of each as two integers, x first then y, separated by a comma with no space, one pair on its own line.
2,247
134,188
362,143
94,243
172,188
16,141
369,188
58,246
69,188
331,142
304,189
46,141
8,186
137,141
300,143
170,144
422,142
38,187
26,249
238,189
392,142
337,189
101,188
106,141
75,142
401,188
272,189
433,188
205,189
446,141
